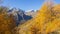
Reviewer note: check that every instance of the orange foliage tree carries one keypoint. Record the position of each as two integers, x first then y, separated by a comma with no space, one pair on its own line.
7,23
47,21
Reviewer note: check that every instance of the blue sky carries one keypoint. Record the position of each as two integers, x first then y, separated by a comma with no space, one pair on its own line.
25,4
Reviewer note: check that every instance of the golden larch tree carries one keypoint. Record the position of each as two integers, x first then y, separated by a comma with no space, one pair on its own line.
47,21
7,23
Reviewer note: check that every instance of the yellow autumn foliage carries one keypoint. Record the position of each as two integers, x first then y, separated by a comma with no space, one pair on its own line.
7,23
47,21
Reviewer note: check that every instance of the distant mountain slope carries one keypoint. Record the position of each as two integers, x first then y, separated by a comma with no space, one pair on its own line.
31,13
19,15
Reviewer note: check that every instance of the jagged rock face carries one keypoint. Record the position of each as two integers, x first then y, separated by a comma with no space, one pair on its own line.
19,15
15,11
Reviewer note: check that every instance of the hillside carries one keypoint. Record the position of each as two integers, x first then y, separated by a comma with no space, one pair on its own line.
47,21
